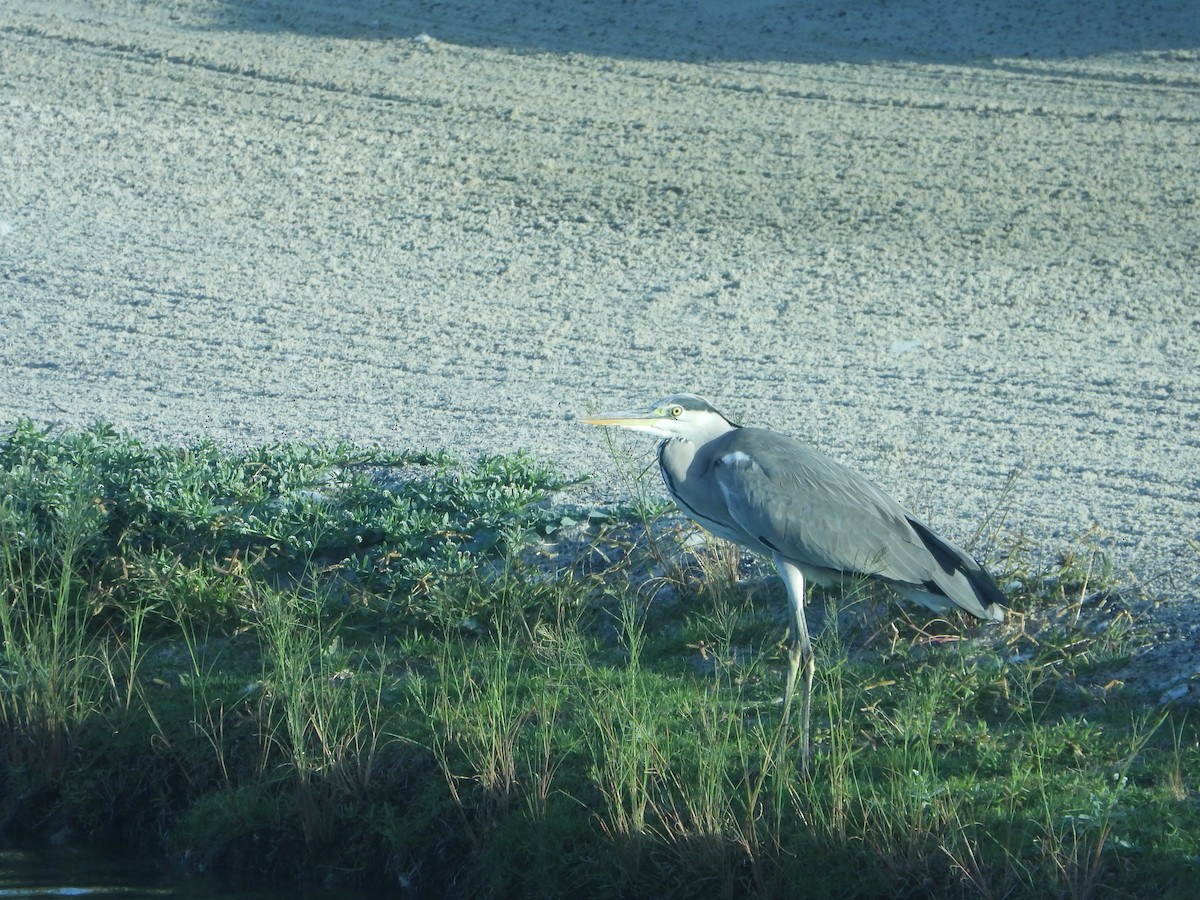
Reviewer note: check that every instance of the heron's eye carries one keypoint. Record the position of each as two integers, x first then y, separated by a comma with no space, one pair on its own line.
676,412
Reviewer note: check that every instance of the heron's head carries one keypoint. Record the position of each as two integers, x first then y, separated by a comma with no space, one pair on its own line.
677,416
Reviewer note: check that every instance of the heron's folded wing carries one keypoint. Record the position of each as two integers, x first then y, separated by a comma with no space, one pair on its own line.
800,503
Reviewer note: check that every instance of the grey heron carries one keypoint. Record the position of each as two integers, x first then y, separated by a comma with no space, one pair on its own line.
813,517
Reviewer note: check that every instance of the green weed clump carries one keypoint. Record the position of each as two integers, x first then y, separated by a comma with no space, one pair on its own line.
365,667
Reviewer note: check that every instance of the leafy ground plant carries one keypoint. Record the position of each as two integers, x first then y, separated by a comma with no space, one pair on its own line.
385,668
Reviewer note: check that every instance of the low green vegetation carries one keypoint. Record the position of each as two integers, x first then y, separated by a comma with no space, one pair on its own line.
363,667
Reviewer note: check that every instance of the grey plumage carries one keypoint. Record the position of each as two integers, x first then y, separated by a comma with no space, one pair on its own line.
814,517
775,495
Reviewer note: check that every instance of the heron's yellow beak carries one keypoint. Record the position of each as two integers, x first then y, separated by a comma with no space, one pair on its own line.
631,419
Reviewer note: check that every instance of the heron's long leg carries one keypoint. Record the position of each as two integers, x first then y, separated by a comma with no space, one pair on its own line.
800,653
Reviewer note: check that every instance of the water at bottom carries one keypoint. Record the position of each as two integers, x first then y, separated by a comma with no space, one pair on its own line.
94,871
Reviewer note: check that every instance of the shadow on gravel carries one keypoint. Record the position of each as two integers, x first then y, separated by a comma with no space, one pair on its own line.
813,31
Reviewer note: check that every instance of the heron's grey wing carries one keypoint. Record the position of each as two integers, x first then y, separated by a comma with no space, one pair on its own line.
800,503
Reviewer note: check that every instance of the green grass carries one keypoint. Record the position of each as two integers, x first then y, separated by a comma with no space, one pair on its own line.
370,667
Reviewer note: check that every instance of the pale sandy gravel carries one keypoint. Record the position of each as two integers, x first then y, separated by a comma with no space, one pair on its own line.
943,242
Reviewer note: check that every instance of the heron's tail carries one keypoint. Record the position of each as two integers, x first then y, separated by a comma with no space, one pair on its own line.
960,578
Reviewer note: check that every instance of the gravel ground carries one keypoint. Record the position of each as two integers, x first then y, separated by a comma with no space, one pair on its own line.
945,242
